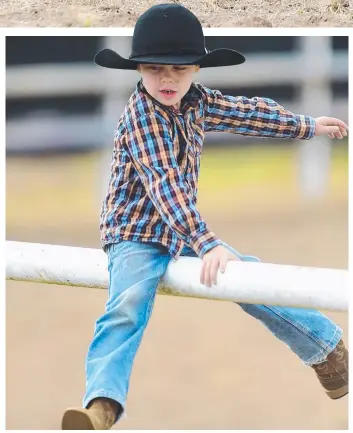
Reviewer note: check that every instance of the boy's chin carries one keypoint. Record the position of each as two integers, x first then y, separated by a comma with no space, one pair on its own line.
168,103
171,104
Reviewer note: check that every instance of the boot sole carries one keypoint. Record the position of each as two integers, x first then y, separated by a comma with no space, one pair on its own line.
75,419
338,393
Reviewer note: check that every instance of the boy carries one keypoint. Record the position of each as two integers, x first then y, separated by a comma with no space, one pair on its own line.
150,216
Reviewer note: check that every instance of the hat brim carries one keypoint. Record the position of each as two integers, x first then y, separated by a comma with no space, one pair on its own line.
219,57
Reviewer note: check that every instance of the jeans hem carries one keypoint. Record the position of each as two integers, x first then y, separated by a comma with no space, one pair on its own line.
107,394
322,355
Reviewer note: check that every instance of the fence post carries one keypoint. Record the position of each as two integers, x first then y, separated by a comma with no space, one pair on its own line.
314,156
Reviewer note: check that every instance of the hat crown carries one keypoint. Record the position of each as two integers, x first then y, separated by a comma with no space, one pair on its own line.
167,29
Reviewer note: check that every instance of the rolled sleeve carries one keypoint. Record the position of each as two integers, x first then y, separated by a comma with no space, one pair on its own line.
306,126
204,241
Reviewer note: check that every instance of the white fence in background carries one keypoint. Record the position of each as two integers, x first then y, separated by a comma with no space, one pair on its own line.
256,283
310,68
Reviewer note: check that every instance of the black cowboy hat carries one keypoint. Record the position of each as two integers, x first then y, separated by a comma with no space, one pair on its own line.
169,34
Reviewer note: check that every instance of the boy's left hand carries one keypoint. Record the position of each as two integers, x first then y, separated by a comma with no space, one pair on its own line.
330,126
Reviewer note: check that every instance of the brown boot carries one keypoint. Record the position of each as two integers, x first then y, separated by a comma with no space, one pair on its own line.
101,414
333,372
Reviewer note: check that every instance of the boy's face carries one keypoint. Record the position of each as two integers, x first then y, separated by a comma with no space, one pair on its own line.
167,83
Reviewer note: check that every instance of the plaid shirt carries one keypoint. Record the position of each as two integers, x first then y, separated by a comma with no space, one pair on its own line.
156,158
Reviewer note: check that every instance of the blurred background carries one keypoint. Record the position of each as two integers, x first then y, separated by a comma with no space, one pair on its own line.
202,364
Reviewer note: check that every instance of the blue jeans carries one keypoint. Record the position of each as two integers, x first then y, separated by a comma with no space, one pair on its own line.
135,269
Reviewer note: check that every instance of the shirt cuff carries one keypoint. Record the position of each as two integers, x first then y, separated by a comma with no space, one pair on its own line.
305,128
204,241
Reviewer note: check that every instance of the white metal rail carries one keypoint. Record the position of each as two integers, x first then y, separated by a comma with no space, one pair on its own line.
257,283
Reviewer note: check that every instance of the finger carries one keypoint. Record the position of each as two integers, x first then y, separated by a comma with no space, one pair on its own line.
331,129
207,274
202,274
343,132
341,124
338,134
223,264
213,271
224,261
331,136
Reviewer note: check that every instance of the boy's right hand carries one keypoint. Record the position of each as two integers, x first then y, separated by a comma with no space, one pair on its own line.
215,259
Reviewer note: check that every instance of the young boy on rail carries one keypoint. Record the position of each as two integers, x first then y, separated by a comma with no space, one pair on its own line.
150,216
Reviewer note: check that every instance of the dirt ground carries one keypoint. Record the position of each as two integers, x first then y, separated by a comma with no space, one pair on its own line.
202,364
212,13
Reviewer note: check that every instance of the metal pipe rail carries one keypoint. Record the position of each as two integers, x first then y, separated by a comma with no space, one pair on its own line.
255,283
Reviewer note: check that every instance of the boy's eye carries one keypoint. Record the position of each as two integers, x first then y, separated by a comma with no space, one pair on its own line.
158,68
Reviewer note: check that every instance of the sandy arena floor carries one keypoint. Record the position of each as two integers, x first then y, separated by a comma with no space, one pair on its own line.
202,364
212,13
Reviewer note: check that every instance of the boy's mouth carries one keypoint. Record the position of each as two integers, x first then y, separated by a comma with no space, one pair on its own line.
168,93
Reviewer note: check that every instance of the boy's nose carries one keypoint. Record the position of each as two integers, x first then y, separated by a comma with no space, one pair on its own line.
167,79
166,75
